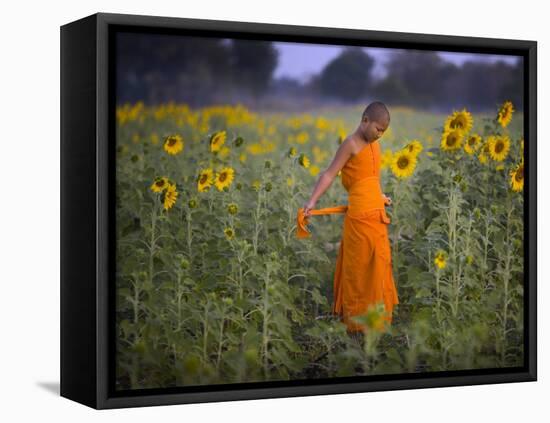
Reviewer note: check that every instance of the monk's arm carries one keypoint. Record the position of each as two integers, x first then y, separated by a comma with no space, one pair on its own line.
326,177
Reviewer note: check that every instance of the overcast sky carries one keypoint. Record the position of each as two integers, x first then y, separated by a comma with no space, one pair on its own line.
300,61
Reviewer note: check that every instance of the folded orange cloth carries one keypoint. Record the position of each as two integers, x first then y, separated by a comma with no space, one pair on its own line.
303,221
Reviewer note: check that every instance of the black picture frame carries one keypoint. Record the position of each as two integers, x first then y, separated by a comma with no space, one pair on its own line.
87,181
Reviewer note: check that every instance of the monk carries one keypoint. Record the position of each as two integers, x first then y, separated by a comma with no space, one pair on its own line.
363,277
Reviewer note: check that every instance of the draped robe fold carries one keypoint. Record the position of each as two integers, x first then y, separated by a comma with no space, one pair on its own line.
363,276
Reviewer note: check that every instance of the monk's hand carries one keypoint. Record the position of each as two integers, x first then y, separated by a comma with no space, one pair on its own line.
308,206
387,200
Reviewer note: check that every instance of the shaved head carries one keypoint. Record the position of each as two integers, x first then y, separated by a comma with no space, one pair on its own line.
377,112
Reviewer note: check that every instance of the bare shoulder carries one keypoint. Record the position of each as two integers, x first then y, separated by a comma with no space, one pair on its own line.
353,146
344,152
349,143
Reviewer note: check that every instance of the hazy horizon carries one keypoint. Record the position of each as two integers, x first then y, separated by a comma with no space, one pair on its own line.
302,60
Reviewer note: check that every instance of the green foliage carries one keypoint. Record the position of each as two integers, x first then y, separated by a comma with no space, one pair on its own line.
194,307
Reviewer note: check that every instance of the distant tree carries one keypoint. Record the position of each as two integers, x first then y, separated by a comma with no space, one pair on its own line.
422,73
252,65
423,79
481,86
158,68
286,86
512,86
392,90
348,76
474,86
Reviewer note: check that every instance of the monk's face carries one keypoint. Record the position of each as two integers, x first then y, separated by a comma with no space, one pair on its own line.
372,130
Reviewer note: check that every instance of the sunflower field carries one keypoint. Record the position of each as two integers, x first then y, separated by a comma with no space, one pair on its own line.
214,287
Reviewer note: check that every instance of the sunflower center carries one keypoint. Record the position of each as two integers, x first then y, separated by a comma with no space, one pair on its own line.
499,146
160,183
457,123
223,176
472,141
403,162
519,174
203,179
171,142
451,140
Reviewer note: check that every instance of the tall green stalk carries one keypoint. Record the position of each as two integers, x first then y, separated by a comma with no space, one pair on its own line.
506,277
266,321
452,229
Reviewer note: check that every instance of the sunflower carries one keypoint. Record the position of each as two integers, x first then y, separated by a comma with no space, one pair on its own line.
375,317
205,179
440,259
229,233
173,144
498,147
238,141
224,152
473,142
314,170
303,160
216,141
292,152
505,113
232,208
170,196
386,159
452,139
516,177
459,120
484,153
403,164
160,184
302,137
414,147
256,185
224,178
521,147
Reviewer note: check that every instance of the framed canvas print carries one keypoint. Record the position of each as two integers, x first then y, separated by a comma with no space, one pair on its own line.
256,210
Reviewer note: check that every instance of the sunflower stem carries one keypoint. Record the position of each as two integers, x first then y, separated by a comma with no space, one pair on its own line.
134,376
506,277
438,298
265,326
152,246
189,233
205,332
220,344
452,223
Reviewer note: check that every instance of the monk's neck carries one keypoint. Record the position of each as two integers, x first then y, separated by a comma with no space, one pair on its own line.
358,137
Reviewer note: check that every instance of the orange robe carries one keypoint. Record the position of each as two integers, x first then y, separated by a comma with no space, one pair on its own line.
363,275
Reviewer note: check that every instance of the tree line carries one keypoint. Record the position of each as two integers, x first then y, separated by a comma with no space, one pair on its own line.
209,70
